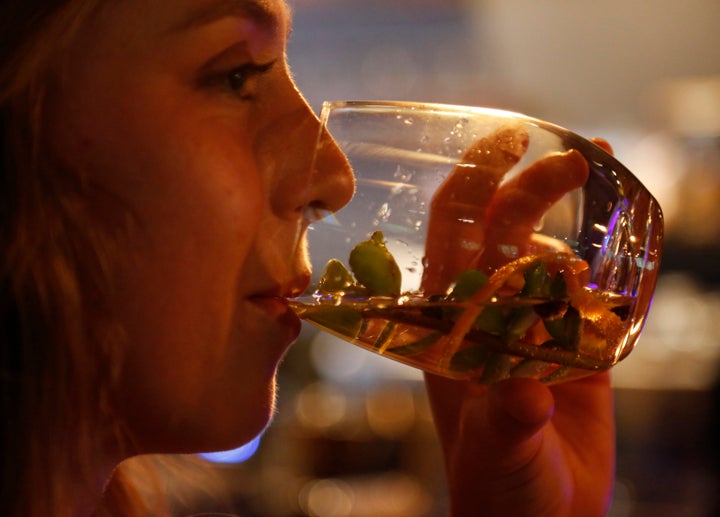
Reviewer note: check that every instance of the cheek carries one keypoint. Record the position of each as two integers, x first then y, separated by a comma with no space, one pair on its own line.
194,201
179,295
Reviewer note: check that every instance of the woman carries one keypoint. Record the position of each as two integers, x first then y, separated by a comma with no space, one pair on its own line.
155,192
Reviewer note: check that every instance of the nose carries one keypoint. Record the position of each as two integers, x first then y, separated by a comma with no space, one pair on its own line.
332,180
312,177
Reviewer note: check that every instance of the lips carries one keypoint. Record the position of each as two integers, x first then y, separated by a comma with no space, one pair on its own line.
271,296
290,289
273,301
278,310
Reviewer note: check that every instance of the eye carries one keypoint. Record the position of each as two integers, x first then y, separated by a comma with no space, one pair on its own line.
239,79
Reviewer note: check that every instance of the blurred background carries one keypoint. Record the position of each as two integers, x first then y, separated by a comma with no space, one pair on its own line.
353,435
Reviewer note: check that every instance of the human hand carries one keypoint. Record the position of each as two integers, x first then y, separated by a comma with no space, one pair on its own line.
519,447
516,447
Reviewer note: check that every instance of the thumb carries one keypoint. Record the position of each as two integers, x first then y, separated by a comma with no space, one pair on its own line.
517,409
504,431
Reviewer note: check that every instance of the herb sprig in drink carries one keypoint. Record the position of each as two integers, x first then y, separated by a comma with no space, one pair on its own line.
532,317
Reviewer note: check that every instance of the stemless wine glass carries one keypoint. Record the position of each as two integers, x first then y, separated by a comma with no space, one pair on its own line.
482,244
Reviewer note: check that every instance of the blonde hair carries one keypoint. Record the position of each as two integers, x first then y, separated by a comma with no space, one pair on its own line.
56,368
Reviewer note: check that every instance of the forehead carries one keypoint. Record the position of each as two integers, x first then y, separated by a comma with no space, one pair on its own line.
271,14
139,19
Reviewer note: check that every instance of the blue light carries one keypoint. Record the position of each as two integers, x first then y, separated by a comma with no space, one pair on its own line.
238,455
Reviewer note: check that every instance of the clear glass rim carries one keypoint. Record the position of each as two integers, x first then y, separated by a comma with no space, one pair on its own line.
437,107
426,106
589,148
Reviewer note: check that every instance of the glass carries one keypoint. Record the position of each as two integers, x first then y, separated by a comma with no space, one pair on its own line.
482,244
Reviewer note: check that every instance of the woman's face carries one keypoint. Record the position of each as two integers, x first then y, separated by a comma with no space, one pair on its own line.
193,138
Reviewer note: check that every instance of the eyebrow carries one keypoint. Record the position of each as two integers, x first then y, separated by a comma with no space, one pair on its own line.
213,10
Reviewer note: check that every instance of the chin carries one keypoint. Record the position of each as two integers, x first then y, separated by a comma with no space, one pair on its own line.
240,425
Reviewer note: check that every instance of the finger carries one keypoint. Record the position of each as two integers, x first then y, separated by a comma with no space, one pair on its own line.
502,432
518,408
513,411
519,204
455,228
472,182
603,144
589,398
446,398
